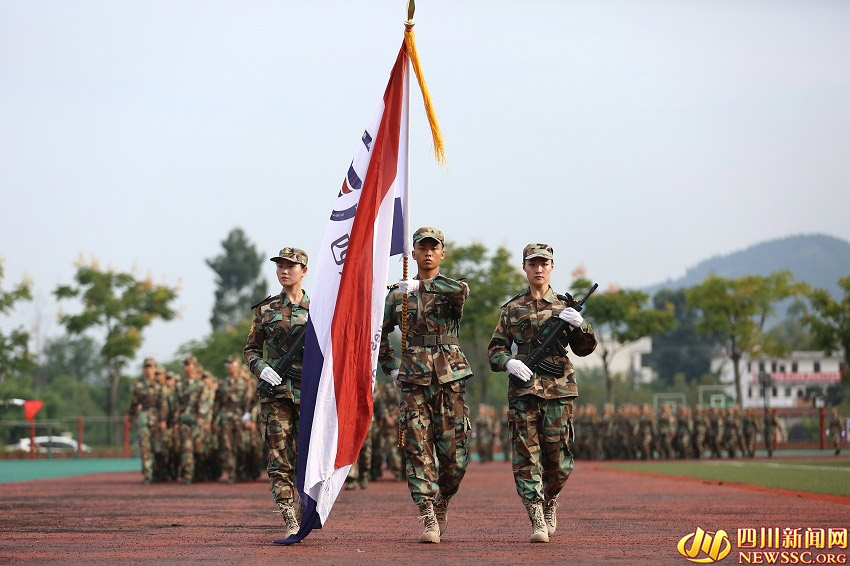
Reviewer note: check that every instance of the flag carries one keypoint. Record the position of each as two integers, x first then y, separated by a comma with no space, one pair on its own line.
31,409
346,305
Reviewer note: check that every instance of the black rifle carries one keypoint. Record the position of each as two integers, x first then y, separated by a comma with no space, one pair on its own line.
549,335
284,367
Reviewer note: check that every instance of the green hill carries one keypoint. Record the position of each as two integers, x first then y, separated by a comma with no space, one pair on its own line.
817,259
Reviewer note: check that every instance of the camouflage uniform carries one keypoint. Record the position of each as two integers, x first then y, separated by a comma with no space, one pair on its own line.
273,318
484,434
143,399
665,433
230,406
195,411
251,461
540,410
749,430
393,454
433,372
770,425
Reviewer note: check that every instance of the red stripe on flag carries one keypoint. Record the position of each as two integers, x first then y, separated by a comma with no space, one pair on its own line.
352,325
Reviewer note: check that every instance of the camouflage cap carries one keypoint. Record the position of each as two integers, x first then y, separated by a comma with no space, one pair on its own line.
537,250
190,360
428,232
149,362
292,254
231,358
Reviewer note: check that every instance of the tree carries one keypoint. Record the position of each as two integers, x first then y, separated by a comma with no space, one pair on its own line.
77,357
121,307
681,349
829,321
239,280
620,317
14,347
734,312
492,280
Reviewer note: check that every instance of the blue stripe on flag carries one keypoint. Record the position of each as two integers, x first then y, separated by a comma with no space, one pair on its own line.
397,243
310,375
353,179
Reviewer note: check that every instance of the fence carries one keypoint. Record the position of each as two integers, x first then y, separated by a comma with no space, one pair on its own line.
96,437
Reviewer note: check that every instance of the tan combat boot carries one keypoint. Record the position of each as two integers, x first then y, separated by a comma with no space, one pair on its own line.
431,533
539,532
549,508
289,518
441,511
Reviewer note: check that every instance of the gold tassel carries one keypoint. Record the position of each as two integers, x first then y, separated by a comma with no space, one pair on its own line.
436,134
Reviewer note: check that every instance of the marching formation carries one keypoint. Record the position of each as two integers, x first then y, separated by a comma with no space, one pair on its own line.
632,432
200,428
196,427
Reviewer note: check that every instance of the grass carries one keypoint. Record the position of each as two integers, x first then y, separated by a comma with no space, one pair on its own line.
823,475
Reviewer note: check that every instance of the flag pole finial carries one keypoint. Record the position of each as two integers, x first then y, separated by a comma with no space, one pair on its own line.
411,7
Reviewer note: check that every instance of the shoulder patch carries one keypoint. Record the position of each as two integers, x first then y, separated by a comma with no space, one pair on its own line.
261,302
512,299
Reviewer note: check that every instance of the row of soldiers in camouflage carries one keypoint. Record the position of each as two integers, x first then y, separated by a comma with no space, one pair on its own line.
195,427
633,432
431,372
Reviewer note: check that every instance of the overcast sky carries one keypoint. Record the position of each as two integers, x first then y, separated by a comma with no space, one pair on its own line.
637,138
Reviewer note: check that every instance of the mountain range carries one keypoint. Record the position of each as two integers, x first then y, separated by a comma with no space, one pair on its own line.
817,259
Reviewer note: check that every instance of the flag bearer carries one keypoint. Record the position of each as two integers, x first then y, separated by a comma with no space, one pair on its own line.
432,373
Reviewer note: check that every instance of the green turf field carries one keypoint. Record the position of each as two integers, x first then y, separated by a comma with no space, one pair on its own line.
40,469
821,475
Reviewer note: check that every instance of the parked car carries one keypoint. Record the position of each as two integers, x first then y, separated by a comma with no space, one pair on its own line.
43,444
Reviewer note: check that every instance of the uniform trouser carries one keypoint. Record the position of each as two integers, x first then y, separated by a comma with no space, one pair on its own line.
540,432
188,441
281,419
145,446
435,421
362,467
231,435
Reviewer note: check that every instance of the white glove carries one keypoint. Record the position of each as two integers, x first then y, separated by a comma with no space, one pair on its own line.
519,369
394,376
409,286
571,316
270,376
246,417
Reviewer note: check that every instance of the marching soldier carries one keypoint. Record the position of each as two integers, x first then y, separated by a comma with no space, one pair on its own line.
193,416
230,408
749,431
540,403
143,409
432,373
771,423
274,318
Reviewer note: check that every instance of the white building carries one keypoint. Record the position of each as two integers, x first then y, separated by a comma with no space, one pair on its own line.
790,376
625,363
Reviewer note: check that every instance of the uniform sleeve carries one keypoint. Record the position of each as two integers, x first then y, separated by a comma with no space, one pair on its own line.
582,340
134,402
455,291
385,354
499,350
253,351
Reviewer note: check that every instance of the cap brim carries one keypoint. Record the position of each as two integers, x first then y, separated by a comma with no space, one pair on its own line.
428,238
544,256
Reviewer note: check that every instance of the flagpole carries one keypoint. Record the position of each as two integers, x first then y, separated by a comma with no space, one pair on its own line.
408,26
